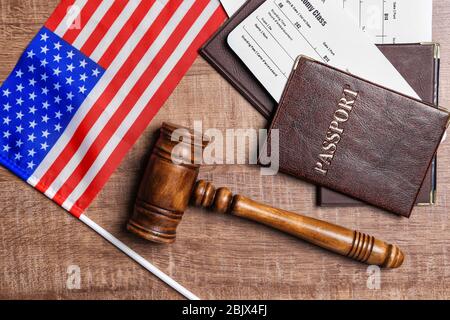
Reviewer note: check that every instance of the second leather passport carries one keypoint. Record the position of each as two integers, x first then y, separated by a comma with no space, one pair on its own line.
344,133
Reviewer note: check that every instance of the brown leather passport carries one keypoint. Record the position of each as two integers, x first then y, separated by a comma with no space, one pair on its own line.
419,65
344,133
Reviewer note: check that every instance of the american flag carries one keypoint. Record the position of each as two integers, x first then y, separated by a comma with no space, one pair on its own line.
88,85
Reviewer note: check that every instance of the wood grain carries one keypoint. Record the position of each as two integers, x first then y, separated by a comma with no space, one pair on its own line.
215,256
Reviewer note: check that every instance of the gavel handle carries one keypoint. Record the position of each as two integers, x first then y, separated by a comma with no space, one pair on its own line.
346,242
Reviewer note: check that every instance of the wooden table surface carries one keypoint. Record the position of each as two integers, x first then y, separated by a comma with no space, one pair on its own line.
216,257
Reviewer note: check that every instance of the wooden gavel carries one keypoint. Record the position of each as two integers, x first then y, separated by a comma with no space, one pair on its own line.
170,182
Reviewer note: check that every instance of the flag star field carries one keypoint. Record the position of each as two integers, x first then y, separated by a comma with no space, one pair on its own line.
40,97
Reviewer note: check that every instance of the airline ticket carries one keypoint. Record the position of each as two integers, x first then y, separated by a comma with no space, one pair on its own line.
385,21
274,35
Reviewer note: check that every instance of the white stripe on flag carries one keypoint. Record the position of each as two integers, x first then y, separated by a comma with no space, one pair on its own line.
100,87
141,104
90,26
120,96
114,30
73,13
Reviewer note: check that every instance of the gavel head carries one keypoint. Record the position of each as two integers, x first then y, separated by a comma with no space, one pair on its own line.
167,184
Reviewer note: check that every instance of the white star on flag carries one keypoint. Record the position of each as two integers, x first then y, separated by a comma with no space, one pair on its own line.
56,72
31,137
20,87
70,67
44,37
31,153
69,80
44,50
33,124
6,93
57,58
45,134
44,146
58,46
30,54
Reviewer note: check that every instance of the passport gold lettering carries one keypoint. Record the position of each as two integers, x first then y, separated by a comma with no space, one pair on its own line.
335,131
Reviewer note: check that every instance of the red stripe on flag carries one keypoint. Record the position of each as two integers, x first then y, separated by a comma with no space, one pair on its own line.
85,14
148,113
103,27
107,96
125,33
58,15
132,98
